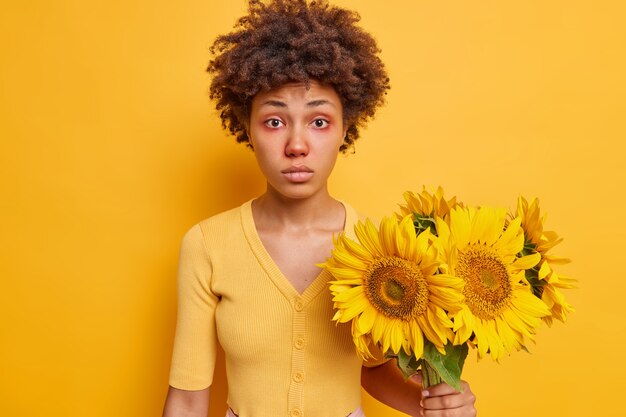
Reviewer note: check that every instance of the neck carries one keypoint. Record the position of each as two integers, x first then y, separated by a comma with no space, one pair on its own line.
273,209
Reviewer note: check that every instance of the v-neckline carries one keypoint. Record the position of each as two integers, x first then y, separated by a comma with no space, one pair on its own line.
275,274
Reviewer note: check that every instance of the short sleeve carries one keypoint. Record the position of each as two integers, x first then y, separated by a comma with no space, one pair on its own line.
195,344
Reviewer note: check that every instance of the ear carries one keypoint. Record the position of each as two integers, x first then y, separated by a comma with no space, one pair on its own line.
345,126
246,126
250,140
345,132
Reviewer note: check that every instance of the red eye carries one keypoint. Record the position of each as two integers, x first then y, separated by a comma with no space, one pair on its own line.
273,123
320,123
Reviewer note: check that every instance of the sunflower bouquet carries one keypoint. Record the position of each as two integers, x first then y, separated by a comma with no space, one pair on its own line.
439,278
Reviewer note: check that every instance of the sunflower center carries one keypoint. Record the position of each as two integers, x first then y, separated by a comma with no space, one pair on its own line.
487,288
489,280
396,288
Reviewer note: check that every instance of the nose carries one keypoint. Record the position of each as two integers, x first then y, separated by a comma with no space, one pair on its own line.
297,143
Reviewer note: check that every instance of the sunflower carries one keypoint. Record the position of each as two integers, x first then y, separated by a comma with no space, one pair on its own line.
387,285
546,283
425,206
500,311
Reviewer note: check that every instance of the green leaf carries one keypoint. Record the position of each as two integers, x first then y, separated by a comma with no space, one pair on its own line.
408,364
422,223
448,366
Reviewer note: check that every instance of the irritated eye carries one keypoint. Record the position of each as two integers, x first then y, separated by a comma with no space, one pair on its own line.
274,123
320,123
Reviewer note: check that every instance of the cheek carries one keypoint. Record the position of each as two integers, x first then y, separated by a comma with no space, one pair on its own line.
330,157
266,159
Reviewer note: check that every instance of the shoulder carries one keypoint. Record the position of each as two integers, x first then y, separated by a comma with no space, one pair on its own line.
353,217
225,218
218,227
355,213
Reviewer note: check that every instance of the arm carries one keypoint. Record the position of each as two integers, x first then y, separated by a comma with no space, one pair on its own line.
180,403
193,356
387,385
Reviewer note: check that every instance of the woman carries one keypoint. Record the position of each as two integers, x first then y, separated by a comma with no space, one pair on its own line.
294,81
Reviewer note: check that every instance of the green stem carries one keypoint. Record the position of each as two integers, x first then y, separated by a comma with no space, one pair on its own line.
430,376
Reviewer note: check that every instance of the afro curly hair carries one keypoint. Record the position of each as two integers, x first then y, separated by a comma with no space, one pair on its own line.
296,41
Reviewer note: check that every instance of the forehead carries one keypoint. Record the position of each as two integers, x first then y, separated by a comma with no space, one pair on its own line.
299,93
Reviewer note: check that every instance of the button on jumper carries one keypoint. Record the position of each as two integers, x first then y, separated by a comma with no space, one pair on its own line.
299,305
299,343
295,413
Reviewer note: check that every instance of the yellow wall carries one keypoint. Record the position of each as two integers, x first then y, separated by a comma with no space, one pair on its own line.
110,150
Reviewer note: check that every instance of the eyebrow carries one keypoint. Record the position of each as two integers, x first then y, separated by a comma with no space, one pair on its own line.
316,103
313,103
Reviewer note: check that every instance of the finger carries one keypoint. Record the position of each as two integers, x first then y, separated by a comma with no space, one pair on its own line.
445,389
448,401
444,402
465,411
439,389
417,378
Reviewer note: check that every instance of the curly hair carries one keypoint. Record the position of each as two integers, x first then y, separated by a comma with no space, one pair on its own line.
296,41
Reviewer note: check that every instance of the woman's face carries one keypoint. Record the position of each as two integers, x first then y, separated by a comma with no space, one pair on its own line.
296,134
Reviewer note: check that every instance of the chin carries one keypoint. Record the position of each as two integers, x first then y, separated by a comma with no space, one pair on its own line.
297,191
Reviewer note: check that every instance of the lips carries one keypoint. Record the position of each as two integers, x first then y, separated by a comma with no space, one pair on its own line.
299,168
298,174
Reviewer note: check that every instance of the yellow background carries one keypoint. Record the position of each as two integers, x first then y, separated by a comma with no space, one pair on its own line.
110,151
